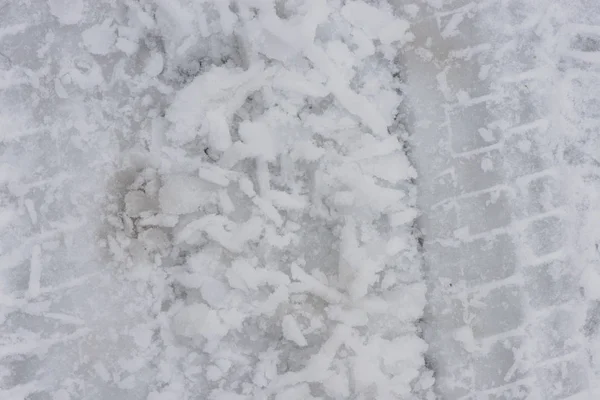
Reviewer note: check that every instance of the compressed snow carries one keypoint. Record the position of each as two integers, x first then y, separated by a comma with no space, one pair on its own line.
136,202
291,331
258,139
183,194
67,12
100,39
214,292
154,65
259,220
191,321
127,46
376,23
590,282
212,199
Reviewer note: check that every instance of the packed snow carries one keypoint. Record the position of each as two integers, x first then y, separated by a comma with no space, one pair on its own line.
299,199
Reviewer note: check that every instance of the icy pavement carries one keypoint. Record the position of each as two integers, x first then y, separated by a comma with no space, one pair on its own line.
213,199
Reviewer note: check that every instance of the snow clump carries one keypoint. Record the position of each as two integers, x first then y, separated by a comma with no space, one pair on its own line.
273,216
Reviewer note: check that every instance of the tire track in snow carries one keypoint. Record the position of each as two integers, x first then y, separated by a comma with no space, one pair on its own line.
503,284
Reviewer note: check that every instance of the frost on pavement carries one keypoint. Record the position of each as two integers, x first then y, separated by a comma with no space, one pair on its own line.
268,210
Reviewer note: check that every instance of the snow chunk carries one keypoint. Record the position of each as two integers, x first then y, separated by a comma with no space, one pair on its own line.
215,94
183,194
127,46
287,201
465,336
199,321
100,39
377,24
214,174
218,129
101,371
292,332
359,106
243,275
404,217
154,239
86,73
213,292
590,281
395,245
154,65
190,320
259,140
295,82
216,227
137,202
487,164
68,12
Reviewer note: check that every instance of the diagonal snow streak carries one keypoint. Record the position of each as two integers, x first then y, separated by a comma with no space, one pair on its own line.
271,214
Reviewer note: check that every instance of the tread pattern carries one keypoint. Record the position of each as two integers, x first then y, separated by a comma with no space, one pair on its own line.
578,52
59,138
505,312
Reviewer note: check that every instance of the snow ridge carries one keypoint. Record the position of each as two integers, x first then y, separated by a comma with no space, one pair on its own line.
269,212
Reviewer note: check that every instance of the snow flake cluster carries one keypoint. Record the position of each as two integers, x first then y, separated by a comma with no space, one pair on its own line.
269,207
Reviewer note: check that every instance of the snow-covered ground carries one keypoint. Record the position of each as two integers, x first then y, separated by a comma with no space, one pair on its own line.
503,116
301,199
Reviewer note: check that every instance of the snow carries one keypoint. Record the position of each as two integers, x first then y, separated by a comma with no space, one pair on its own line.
292,332
194,320
299,199
375,23
67,12
261,173
499,123
35,273
590,282
183,194
99,39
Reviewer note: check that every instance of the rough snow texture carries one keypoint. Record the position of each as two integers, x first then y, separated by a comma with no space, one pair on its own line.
269,210
210,199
